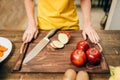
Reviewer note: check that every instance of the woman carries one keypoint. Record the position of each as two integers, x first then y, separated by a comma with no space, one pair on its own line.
58,14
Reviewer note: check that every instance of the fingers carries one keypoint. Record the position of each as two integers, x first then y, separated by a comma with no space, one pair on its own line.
91,37
30,36
94,37
30,32
84,35
35,35
24,37
27,37
97,39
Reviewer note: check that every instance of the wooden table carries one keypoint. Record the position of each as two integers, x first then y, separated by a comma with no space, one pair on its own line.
110,42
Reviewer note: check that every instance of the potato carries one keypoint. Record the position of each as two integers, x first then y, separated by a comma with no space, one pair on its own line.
82,75
70,74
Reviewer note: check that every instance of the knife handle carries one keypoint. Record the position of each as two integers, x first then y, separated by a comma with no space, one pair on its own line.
21,57
51,33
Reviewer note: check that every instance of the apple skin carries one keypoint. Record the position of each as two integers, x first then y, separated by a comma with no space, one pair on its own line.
67,33
93,56
82,45
78,57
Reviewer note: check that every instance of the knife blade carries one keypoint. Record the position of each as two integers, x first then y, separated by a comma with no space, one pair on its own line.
39,46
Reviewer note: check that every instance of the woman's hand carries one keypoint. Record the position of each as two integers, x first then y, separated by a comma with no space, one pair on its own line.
91,33
31,32
88,30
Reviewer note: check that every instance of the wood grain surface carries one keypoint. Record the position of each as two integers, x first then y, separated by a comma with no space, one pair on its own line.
51,60
110,41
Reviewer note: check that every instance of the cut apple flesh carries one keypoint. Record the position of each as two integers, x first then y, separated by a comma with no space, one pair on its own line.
56,44
52,45
62,37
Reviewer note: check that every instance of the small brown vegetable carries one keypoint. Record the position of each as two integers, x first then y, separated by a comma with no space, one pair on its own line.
70,74
82,75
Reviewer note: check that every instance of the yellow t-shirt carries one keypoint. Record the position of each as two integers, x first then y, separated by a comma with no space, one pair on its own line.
57,14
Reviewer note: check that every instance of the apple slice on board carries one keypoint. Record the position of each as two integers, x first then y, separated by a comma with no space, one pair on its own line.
56,44
63,38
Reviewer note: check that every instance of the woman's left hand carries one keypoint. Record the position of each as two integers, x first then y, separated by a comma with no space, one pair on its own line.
91,33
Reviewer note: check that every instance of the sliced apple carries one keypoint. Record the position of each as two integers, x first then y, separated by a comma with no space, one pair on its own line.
56,44
51,44
64,37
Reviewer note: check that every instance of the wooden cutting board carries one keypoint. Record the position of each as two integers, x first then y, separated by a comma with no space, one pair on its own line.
51,60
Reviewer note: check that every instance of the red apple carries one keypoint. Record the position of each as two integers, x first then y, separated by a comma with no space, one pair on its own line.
82,45
78,57
93,55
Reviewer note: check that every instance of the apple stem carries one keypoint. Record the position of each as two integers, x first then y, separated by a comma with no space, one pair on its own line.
100,47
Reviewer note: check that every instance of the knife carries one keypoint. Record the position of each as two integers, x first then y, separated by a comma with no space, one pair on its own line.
39,46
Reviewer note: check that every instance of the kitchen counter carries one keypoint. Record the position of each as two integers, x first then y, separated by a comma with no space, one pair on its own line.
110,41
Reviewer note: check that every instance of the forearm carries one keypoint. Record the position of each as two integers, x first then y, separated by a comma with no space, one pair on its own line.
86,10
29,6
31,30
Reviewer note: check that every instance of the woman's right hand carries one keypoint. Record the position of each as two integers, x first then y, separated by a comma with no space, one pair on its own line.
30,32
